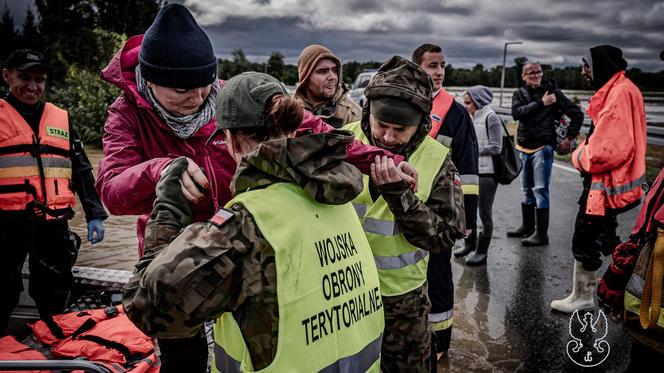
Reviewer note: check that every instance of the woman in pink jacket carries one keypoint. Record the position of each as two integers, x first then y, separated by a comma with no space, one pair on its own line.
167,109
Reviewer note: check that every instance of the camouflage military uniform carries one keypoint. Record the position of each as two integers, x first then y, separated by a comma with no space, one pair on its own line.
433,225
189,276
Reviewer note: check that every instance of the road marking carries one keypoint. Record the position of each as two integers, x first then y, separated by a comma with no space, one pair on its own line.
570,169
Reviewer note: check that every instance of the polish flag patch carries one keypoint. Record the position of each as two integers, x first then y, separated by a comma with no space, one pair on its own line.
221,217
457,180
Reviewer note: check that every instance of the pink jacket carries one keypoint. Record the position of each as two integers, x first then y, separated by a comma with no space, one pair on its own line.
138,145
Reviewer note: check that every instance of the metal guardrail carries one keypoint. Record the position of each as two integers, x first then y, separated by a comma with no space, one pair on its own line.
655,134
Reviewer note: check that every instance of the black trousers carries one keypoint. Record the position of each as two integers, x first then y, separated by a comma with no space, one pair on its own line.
441,294
594,237
488,188
52,251
184,354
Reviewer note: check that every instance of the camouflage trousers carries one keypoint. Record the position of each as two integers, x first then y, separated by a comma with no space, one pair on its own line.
407,336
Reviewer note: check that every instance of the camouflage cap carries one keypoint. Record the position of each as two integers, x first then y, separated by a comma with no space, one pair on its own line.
402,79
242,100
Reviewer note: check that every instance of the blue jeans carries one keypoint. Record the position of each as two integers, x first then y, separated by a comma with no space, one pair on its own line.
536,176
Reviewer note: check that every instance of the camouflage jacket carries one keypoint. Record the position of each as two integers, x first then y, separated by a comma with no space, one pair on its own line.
193,273
436,224
337,112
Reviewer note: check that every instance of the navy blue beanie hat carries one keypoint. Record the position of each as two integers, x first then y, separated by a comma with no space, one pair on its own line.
176,52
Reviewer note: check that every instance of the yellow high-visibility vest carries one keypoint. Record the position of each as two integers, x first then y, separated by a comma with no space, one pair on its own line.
330,306
402,267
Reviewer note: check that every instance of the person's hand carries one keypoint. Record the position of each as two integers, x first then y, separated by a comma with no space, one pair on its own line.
549,99
408,174
564,145
95,231
384,171
190,177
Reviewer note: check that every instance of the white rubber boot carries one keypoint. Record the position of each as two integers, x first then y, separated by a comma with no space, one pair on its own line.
582,297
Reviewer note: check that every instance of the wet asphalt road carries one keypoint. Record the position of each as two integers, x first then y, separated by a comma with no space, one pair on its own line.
502,319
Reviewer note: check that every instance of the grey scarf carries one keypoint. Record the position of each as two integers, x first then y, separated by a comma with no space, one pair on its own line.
183,126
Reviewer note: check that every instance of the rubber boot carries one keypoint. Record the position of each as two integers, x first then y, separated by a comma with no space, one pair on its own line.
540,237
527,223
479,256
584,283
469,245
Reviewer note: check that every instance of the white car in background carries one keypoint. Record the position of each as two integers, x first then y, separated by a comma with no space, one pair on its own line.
361,82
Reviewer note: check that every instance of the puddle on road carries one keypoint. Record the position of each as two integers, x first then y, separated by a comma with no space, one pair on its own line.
480,340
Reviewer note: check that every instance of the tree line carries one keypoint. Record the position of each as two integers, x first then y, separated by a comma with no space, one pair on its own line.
79,37
565,77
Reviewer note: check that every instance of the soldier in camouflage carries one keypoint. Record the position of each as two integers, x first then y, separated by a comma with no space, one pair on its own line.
191,273
397,118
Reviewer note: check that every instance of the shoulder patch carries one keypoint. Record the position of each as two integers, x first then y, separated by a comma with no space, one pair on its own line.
222,217
457,180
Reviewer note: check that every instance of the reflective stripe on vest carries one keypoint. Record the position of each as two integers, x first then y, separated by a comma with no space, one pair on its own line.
441,320
26,166
602,196
619,189
402,267
330,306
21,179
470,184
401,260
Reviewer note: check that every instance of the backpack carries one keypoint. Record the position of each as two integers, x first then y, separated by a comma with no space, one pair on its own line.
643,302
506,165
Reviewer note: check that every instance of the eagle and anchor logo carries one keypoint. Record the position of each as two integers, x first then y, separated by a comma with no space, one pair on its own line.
588,347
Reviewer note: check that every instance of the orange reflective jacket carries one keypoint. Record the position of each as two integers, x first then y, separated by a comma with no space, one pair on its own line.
35,170
615,153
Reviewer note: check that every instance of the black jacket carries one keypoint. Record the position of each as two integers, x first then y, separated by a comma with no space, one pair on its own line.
458,126
537,122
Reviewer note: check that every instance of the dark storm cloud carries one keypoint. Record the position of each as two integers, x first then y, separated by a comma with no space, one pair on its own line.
555,32
470,33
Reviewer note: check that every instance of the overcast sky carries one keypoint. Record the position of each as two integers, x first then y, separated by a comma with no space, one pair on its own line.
470,32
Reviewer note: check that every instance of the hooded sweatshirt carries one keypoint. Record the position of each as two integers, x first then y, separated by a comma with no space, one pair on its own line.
230,266
488,127
338,111
607,60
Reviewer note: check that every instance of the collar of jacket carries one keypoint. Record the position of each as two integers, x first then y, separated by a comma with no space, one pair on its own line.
120,72
596,102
